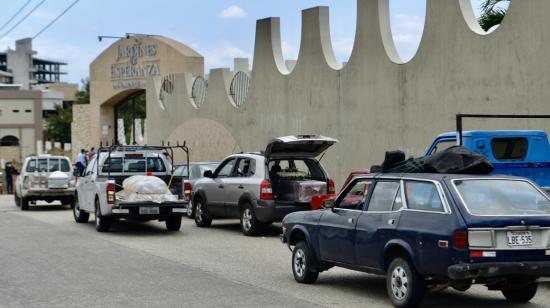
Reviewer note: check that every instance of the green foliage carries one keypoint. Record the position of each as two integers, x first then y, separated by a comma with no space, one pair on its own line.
491,13
58,126
83,96
134,107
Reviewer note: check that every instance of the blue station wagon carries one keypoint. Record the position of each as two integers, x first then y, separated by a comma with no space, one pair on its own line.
429,231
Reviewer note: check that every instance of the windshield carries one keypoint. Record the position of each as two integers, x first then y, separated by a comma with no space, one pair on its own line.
489,197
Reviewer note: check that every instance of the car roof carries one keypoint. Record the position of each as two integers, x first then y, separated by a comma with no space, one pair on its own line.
495,133
436,176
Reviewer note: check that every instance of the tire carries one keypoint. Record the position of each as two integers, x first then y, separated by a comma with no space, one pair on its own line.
79,215
250,225
102,223
173,223
24,204
190,211
404,286
302,264
522,294
17,200
201,218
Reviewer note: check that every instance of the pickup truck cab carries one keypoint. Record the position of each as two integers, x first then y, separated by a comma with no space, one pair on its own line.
524,153
429,231
45,178
103,178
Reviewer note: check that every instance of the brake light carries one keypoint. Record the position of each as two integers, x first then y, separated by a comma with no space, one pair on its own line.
187,188
331,189
460,239
266,191
111,193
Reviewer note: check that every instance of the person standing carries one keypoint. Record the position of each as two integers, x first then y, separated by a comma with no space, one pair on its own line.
81,162
90,154
10,171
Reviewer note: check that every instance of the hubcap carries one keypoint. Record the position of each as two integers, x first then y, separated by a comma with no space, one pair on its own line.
247,219
76,209
299,263
399,283
198,214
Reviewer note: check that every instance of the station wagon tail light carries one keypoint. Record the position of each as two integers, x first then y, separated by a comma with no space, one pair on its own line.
111,193
266,191
460,239
331,188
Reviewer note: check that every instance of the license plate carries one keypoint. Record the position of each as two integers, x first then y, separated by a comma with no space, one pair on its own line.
520,238
148,210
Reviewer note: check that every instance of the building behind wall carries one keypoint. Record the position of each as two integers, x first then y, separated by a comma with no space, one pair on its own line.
30,88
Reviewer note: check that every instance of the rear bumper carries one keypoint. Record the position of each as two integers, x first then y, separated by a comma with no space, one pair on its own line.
498,269
50,192
132,211
270,211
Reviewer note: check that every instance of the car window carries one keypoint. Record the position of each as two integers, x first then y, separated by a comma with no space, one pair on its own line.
295,170
246,167
226,168
397,202
37,164
133,164
91,166
203,168
493,197
355,195
423,196
442,146
383,196
65,165
509,148
182,171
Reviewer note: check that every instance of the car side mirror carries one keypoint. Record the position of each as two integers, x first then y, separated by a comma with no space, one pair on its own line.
208,174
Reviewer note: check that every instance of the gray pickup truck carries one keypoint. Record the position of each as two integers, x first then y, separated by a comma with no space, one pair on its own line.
103,179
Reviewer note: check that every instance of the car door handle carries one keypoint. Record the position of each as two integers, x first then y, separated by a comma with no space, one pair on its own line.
350,220
240,187
391,221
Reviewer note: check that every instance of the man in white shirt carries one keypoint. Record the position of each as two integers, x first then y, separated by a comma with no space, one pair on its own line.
81,162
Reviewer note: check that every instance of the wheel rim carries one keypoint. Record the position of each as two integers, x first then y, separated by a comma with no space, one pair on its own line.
198,212
399,283
97,216
299,263
76,209
247,219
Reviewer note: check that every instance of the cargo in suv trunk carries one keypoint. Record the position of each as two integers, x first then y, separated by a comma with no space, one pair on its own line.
294,172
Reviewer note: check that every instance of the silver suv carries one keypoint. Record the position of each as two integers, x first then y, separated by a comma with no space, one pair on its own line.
261,188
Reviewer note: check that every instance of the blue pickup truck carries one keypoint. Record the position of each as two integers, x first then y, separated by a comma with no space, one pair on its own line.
429,231
524,153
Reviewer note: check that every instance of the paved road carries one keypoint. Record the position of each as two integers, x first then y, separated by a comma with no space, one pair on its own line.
46,259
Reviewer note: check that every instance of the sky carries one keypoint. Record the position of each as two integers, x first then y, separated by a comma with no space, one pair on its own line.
218,29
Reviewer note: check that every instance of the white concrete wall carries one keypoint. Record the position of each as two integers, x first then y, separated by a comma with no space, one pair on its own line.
376,102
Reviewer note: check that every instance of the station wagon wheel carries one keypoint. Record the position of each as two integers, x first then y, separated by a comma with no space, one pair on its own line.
521,294
404,285
201,218
79,215
302,264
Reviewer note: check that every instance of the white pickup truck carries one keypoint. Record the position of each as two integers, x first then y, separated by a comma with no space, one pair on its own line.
104,177
45,178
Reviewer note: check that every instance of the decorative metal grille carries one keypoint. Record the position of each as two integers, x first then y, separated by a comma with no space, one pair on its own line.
239,88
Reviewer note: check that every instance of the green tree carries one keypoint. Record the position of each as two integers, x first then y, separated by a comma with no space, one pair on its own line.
492,13
83,96
58,126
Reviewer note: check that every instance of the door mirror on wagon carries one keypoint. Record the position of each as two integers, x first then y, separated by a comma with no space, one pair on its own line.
328,203
208,174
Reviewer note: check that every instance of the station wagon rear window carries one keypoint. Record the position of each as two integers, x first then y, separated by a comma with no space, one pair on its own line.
48,165
496,197
509,148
